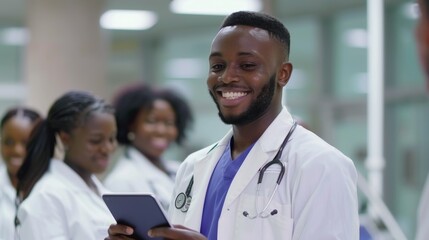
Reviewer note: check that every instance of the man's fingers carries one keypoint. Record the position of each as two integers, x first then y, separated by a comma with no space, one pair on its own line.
180,226
118,238
164,232
118,229
178,232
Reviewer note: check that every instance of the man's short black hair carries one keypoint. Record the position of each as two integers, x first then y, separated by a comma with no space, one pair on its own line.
263,21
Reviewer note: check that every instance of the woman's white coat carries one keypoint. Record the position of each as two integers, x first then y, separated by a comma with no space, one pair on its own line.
135,173
62,206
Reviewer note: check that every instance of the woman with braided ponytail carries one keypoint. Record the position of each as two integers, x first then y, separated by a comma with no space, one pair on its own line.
61,199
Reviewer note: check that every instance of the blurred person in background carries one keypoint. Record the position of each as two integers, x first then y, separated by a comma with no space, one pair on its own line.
61,199
149,120
15,128
422,39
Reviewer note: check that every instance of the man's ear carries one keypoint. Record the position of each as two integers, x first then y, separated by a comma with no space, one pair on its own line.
284,73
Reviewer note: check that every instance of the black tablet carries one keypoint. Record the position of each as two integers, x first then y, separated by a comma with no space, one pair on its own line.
139,211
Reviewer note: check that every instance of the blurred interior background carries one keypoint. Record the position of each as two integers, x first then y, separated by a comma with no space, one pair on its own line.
50,46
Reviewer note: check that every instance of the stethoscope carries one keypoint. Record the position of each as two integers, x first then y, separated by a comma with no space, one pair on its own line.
183,199
276,160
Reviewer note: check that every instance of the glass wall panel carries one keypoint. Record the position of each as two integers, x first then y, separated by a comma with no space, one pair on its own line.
349,43
406,157
401,51
11,53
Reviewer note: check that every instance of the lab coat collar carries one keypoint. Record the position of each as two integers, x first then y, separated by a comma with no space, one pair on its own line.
6,187
262,152
72,179
134,155
274,135
142,162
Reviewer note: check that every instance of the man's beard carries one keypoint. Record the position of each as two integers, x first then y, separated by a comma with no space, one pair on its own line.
256,109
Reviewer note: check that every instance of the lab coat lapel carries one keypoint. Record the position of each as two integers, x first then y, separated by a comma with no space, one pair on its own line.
254,160
203,169
262,152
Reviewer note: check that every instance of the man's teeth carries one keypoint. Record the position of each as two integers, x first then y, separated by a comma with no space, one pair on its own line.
233,95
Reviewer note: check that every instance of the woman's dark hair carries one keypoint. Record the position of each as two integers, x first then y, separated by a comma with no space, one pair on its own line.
25,112
68,112
132,99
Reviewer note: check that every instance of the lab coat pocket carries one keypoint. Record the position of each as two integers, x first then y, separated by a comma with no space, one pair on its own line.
274,223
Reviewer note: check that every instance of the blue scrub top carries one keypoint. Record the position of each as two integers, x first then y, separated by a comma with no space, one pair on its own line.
221,179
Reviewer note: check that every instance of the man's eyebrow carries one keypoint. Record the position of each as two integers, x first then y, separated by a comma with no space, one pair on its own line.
215,54
245,54
218,54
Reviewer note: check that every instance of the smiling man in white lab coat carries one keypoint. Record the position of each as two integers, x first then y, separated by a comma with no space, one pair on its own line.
307,192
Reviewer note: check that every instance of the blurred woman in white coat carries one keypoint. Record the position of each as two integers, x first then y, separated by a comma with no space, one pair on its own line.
148,120
15,128
62,199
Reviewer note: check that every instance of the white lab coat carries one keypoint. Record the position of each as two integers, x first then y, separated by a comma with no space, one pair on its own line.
135,173
317,198
7,205
61,206
423,214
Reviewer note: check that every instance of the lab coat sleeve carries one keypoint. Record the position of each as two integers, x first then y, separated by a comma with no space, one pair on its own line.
41,218
324,199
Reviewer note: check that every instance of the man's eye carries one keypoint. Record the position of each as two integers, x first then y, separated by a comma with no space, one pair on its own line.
248,66
216,67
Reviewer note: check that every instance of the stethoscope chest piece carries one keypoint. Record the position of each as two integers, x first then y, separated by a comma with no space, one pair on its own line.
183,200
187,204
180,201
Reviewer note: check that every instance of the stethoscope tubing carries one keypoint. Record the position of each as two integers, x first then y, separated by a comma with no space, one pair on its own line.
276,160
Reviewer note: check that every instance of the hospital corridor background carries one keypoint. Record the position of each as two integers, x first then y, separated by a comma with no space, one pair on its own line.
49,47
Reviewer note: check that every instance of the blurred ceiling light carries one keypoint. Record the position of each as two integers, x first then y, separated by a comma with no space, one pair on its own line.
210,7
181,86
128,19
14,36
411,10
357,38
